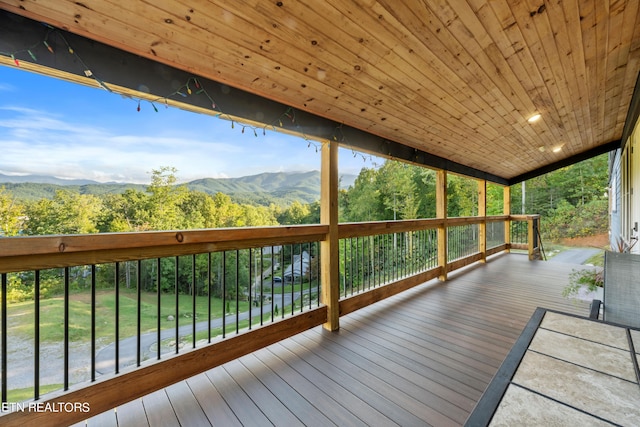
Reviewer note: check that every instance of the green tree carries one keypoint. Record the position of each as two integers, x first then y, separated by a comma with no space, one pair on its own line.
165,199
11,214
570,200
226,212
296,213
125,212
495,199
199,210
255,216
397,190
425,180
66,213
362,199
462,196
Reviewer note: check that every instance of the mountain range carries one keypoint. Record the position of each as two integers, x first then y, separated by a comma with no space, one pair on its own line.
280,188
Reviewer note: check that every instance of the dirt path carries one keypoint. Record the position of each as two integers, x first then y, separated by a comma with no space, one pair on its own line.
600,241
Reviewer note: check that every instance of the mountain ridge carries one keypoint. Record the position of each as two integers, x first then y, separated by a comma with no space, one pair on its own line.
281,188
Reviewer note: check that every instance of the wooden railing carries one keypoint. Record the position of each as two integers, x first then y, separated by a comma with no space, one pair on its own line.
377,259
525,234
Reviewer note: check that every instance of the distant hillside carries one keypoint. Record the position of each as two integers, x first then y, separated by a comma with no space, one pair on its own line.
43,179
279,188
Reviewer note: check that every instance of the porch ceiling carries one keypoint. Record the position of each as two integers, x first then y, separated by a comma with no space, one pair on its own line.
456,79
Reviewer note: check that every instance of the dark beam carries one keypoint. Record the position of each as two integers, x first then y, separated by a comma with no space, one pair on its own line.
613,145
147,79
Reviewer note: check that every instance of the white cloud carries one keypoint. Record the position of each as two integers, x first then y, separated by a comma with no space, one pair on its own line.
38,142
34,141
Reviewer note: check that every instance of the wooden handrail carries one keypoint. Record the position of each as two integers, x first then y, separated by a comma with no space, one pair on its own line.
360,229
41,252
526,217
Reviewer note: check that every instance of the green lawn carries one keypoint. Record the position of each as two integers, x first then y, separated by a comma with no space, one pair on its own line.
21,315
24,394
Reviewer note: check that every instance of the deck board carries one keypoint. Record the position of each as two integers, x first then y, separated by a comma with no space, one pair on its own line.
184,403
269,404
132,414
286,393
422,357
159,411
363,377
330,379
244,408
211,402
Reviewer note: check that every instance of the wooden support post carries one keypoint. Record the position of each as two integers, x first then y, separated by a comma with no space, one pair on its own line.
441,213
329,251
506,196
531,238
482,212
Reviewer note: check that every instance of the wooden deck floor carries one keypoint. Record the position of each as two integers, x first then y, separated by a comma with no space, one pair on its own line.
420,358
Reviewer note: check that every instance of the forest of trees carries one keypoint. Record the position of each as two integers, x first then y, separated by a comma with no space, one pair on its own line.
572,202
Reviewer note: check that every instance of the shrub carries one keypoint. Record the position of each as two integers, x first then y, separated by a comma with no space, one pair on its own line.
592,279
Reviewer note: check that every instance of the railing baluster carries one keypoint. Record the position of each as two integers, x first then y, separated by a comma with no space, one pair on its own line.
302,279
66,328
93,322
419,245
261,284
139,314
237,291
360,250
176,290
224,294
159,309
252,281
373,261
4,336
117,319
405,252
378,256
343,267
293,283
317,260
273,272
193,291
383,253
209,297
311,251
36,336
353,272
283,282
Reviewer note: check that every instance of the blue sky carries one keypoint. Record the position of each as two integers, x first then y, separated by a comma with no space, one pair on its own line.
51,127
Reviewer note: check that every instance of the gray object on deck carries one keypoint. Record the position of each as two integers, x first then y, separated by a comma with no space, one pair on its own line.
622,288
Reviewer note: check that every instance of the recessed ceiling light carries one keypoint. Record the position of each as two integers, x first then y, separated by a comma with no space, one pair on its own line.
557,149
534,118
541,149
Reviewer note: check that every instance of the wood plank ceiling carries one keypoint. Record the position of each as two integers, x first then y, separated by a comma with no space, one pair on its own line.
455,78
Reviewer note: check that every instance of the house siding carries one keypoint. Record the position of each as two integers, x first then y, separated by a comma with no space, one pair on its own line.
615,197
